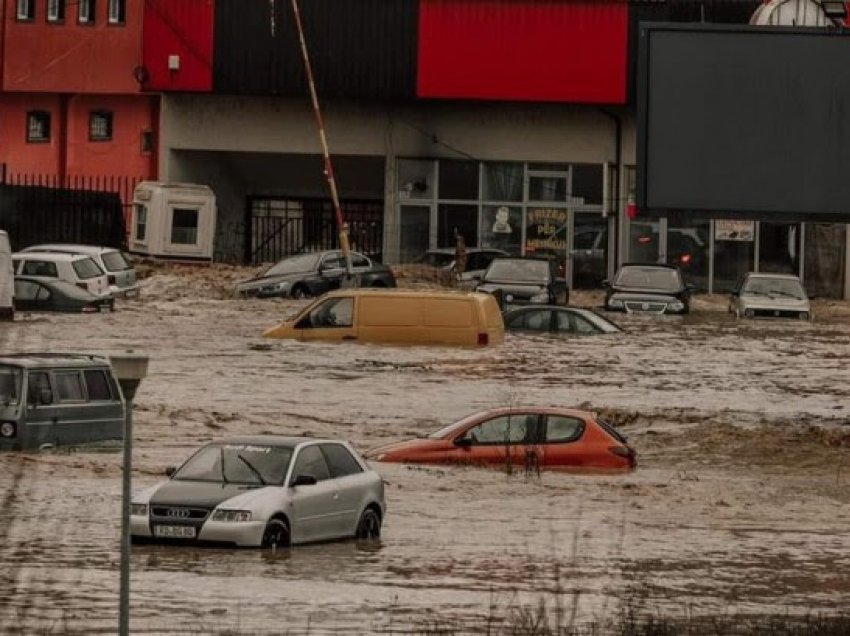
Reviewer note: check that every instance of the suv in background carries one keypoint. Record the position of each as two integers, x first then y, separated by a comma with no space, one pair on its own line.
523,281
61,398
120,274
649,288
76,269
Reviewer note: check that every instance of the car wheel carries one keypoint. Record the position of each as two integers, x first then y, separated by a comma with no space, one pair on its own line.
276,534
300,291
369,526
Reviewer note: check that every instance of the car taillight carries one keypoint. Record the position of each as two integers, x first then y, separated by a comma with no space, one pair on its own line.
483,338
110,279
625,452
88,309
686,258
644,239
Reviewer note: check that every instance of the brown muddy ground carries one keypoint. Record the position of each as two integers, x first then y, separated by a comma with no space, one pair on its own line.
740,502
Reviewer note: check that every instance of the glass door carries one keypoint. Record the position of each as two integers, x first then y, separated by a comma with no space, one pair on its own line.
779,248
589,254
414,227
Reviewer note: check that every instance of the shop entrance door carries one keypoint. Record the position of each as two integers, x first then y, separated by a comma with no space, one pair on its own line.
589,254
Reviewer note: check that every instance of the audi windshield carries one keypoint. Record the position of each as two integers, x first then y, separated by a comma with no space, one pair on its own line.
251,464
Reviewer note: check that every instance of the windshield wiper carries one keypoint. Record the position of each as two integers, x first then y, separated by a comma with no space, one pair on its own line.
783,293
223,476
252,469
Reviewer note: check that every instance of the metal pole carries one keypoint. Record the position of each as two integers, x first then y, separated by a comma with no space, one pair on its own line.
342,226
124,596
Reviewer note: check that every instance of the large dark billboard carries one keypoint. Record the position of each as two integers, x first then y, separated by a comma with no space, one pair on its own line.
744,121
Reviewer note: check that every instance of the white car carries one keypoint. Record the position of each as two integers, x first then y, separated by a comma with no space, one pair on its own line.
76,269
120,274
770,295
263,491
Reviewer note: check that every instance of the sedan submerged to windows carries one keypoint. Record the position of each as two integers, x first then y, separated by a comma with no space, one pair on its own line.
263,491
770,295
522,281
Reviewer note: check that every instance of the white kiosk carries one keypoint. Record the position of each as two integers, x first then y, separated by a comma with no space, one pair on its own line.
173,221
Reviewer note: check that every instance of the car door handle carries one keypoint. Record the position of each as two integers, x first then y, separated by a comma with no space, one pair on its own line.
349,337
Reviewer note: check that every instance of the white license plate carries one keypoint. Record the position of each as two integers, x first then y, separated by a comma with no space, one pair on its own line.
182,532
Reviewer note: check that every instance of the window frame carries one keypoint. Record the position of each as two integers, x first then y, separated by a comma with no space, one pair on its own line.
42,117
297,459
121,18
86,12
28,15
342,448
529,439
140,208
544,430
107,117
57,16
57,398
182,228
110,395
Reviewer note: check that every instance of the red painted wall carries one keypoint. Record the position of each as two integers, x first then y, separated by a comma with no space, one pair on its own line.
183,29
71,57
122,156
523,50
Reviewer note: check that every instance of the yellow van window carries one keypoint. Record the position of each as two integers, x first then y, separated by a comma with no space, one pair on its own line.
449,313
385,311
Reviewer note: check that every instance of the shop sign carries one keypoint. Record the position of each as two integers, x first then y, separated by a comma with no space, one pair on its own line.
544,229
734,230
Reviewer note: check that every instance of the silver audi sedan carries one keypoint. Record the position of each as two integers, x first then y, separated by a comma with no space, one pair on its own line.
263,491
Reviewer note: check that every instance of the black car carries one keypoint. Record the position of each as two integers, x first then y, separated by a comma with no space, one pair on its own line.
523,281
648,288
38,294
563,321
307,275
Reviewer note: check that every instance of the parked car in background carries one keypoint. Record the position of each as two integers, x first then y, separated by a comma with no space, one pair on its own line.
263,491
307,275
33,294
562,321
541,437
648,288
120,274
521,281
770,295
7,279
76,269
393,316
58,399
477,260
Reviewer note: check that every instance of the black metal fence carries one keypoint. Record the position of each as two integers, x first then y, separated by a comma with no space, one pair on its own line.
79,209
282,227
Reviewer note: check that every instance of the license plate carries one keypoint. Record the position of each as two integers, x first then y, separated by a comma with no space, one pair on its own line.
182,532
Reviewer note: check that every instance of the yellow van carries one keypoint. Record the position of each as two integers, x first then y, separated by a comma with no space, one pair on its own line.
398,316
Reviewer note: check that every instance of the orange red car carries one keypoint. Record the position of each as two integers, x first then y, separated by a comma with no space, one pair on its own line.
539,437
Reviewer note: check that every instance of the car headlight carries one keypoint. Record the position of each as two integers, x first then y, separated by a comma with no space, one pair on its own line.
542,297
615,304
676,306
139,510
232,515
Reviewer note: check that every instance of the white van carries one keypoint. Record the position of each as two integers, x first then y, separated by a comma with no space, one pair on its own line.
7,279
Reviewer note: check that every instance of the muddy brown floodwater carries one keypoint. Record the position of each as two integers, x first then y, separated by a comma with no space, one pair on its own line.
739,502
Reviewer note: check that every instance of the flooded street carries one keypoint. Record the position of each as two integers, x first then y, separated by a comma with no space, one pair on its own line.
739,502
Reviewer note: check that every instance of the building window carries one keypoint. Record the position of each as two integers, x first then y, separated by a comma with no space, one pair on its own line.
55,10
100,125
147,142
87,11
117,13
184,226
26,10
141,222
38,126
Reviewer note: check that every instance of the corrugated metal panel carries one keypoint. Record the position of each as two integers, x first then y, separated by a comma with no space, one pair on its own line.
525,50
178,34
358,48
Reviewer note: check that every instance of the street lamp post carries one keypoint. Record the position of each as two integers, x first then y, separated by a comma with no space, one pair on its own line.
130,369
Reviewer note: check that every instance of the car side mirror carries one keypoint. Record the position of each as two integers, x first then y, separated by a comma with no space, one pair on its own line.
303,480
462,442
170,471
45,396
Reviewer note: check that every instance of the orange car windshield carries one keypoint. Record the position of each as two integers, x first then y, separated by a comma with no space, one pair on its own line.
456,427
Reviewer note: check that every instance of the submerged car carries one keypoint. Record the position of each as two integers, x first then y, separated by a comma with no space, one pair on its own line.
542,437
648,288
522,281
307,275
120,274
34,294
770,295
263,491
566,321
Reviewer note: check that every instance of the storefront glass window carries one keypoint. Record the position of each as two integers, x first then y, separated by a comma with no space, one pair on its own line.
415,179
825,258
503,181
458,179
546,234
688,247
547,188
590,250
501,228
643,241
414,221
453,219
734,251
587,185
779,248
